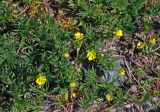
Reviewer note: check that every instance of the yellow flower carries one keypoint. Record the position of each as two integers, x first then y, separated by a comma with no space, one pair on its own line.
121,72
79,36
140,44
41,79
91,55
73,85
74,95
109,97
152,41
119,33
66,55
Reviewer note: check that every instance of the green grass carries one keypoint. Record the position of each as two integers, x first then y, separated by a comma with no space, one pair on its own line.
34,36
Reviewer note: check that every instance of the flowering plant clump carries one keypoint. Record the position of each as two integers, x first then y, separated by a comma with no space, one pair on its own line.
41,79
74,95
79,36
91,55
119,33
140,45
109,97
67,55
121,72
59,52
152,40
73,85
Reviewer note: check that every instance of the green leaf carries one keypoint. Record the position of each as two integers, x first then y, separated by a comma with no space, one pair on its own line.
137,6
121,4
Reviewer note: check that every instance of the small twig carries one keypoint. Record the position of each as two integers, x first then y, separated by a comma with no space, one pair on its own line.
139,108
127,92
49,8
156,48
36,90
70,105
157,54
136,63
152,65
109,108
131,75
65,109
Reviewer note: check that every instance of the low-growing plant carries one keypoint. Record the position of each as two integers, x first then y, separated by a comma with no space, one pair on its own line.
63,55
